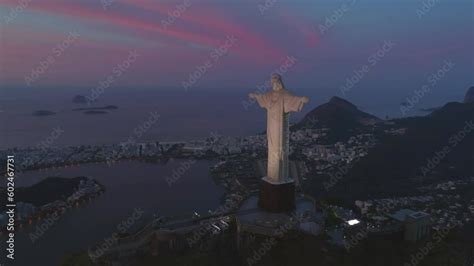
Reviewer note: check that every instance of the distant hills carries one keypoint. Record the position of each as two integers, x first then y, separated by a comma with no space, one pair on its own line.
433,148
341,117
436,146
334,112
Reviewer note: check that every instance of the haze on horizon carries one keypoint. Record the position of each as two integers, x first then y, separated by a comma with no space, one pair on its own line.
168,48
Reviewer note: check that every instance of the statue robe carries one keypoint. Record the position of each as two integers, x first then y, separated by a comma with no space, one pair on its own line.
279,104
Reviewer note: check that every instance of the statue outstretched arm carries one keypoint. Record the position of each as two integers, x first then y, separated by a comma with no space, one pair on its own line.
262,99
295,103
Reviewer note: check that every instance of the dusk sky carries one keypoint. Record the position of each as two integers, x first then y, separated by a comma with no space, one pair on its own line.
103,33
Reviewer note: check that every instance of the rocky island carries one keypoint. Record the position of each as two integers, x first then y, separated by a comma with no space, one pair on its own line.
107,107
79,99
96,110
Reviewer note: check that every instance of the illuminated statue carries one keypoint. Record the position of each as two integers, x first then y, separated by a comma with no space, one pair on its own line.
279,103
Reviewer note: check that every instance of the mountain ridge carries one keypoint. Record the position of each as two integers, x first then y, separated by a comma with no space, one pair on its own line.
340,116
398,164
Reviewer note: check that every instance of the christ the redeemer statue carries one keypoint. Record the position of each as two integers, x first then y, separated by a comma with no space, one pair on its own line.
279,104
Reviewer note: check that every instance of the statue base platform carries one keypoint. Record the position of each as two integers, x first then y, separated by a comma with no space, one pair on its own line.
276,196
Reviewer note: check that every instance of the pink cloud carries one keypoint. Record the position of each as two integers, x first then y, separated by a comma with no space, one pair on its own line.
305,28
114,19
212,20
250,45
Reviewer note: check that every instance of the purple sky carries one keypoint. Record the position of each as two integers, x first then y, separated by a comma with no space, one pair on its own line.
105,32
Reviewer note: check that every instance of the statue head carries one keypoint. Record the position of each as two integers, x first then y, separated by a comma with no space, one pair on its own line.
277,82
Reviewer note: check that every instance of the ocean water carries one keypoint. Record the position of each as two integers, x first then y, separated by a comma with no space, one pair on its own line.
183,115
129,185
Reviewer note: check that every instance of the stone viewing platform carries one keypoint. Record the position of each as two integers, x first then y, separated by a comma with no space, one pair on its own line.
253,221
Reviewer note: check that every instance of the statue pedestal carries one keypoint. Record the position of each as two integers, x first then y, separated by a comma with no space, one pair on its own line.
276,197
